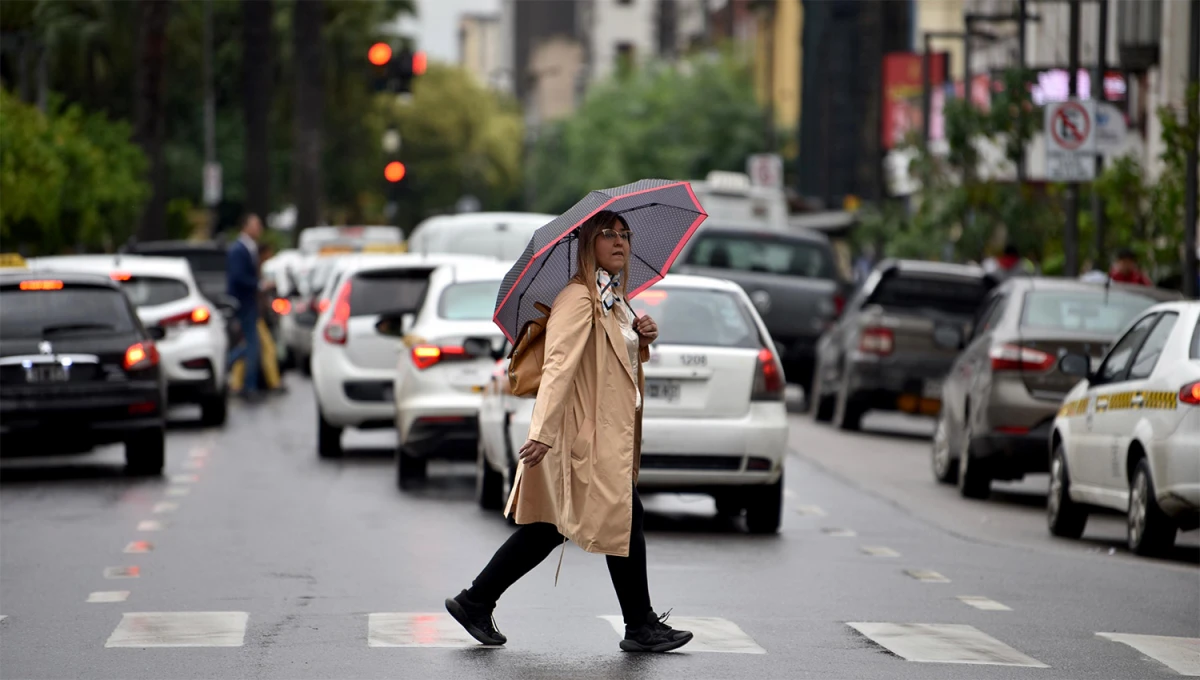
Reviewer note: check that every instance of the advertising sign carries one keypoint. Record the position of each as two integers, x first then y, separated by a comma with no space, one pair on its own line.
902,84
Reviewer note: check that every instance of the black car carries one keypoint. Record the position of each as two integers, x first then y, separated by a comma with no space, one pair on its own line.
78,370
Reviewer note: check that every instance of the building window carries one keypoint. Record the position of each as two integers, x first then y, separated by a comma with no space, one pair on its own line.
626,57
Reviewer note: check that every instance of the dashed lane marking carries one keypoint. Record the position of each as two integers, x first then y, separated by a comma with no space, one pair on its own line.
184,479
165,506
193,464
810,510
840,533
102,596
712,634
198,453
943,643
178,491
180,629
878,551
139,547
926,576
1180,654
986,604
122,572
416,629
150,525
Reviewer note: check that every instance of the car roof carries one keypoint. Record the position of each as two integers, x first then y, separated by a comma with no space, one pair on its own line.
1175,306
930,267
8,278
693,282
142,265
364,262
1050,283
177,246
465,272
757,231
462,220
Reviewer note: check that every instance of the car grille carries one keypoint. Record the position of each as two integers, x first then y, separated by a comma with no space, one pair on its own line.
659,461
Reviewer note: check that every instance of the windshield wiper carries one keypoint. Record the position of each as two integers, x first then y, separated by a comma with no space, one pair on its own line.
68,327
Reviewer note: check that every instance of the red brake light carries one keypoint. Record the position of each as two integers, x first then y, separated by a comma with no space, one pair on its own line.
424,356
322,305
1017,358
42,285
141,355
1190,393
335,330
281,306
419,63
876,341
120,276
198,317
769,384
201,315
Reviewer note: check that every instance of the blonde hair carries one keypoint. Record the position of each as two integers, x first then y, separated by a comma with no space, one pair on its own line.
589,231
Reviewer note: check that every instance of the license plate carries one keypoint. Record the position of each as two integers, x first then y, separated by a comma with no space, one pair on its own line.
663,390
469,378
933,389
46,373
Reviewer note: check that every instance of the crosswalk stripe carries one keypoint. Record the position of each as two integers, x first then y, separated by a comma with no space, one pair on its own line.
878,551
943,643
712,634
926,576
102,596
984,603
1180,654
180,629
416,629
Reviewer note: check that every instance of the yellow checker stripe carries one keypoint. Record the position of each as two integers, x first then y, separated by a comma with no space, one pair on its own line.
1122,401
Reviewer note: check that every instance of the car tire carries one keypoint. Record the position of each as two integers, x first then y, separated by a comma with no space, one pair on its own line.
489,484
974,476
329,438
729,503
145,452
409,469
1064,517
214,409
305,365
945,465
1149,530
847,412
764,509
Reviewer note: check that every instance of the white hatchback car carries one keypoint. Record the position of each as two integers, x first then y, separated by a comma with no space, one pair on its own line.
1128,436
451,347
353,361
164,292
715,421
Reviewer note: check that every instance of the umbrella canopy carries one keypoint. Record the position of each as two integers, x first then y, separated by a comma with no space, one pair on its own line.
662,214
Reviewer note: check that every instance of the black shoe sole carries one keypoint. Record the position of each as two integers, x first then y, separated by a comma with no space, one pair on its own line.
456,610
634,646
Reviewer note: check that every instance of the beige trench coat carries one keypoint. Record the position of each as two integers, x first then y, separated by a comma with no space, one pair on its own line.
585,414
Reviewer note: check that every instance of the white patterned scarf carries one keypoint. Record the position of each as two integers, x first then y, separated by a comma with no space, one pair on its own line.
607,285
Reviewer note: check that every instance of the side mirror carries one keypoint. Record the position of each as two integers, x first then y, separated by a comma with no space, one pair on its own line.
156,332
950,337
1075,365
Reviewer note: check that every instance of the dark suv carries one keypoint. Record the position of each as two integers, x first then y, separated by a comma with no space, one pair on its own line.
77,370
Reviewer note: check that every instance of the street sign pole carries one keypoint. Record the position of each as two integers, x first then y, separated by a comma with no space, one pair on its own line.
1071,226
1099,254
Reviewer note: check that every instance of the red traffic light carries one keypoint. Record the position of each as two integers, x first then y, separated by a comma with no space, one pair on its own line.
418,63
379,54
394,172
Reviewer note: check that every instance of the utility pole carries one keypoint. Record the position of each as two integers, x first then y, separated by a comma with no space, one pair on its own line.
1190,272
1098,217
1022,17
1071,207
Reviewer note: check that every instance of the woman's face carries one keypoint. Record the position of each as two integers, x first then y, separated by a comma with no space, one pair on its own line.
612,247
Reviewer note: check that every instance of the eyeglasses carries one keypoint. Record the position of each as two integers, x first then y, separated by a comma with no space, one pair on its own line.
611,234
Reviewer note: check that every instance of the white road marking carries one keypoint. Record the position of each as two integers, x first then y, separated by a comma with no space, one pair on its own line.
986,604
926,576
122,572
193,464
878,551
139,547
417,629
840,533
165,506
150,525
184,479
109,596
811,510
712,634
943,643
178,491
1180,654
180,629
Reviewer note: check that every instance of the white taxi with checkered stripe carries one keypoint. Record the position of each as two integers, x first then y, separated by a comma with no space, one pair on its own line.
1128,435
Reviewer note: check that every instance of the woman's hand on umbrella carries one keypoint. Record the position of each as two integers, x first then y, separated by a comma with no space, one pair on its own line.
533,452
647,330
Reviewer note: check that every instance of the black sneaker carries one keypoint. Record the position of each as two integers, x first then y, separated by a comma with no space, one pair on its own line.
654,636
476,619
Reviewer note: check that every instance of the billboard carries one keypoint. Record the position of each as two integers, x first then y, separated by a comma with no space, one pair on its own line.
902,85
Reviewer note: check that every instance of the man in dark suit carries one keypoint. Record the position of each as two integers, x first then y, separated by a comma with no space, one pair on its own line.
242,282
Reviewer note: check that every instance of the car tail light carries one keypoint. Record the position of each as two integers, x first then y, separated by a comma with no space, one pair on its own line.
1011,429
140,356
43,284
196,317
768,378
322,305
1190,393
335,330
877,341
424,356
1017,358
281,306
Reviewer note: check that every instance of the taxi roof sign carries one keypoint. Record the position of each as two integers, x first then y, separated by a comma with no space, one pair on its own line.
13,260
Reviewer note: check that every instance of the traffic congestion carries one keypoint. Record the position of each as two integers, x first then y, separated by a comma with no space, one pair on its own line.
777,391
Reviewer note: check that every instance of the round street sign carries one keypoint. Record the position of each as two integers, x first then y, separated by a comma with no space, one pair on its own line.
1071,126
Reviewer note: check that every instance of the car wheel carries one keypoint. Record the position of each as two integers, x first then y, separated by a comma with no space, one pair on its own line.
214,409
1065,517
1150,531
764,510
145,452
945,465
489,484
305,364
847,412
974,477
329,438
409,469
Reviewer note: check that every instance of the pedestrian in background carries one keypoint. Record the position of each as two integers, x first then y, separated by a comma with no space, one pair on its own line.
1126,269
242,284
268,360
587,416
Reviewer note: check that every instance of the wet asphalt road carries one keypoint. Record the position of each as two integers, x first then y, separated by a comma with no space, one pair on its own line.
318,569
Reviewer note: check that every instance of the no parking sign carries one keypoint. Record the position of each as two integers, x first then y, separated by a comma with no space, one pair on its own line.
1071,141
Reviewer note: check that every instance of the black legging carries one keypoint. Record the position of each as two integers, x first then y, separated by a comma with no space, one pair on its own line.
532,543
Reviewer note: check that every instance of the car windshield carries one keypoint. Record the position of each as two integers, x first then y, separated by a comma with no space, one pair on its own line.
31,313
472,301
1082,310
710,318
763,253
401,290
910,291
147,291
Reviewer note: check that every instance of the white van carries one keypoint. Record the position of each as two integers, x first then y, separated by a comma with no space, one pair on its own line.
731,201
502,235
